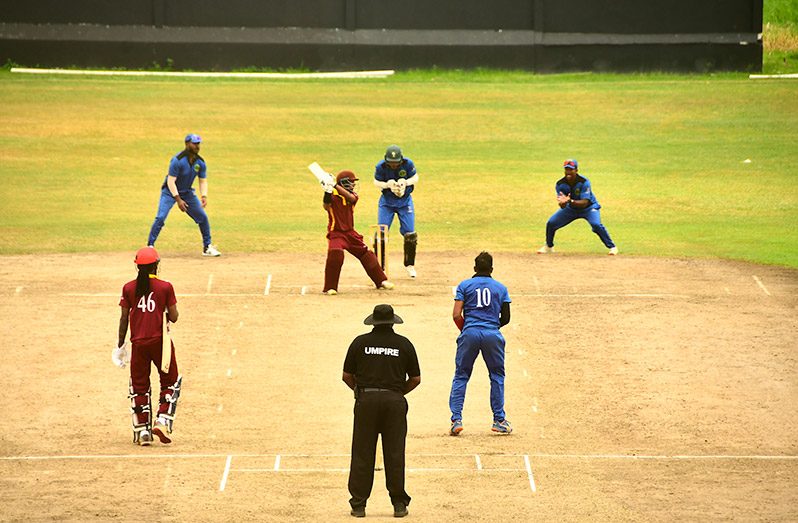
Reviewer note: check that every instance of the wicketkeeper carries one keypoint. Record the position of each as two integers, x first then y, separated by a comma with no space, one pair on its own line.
396,176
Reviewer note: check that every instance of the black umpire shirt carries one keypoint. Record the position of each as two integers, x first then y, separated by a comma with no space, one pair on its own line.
382,359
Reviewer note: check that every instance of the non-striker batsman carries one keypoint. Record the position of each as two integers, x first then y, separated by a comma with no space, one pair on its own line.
143,304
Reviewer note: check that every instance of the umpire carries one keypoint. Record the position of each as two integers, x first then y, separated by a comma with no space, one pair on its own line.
381,367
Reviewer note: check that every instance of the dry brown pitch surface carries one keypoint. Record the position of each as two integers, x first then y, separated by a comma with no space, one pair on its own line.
640,390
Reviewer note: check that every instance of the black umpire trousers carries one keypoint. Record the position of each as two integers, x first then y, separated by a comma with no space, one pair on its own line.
385,413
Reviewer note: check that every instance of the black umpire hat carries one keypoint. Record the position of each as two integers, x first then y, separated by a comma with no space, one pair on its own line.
383,315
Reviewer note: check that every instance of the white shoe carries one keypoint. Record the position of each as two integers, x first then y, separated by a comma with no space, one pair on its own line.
545,250
411,271
145,439
330,292
613,251
210,250
387,285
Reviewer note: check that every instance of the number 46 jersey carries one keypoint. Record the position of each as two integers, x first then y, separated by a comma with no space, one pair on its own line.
482,298
146,312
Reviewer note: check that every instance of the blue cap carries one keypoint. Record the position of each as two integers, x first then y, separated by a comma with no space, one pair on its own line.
193,138
568,164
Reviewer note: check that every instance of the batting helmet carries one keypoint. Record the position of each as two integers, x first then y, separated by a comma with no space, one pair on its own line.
146,256
570,164
393,154
347,180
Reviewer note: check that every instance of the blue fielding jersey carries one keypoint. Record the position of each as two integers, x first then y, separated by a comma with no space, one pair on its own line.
580,191
482,298
383,173
185,172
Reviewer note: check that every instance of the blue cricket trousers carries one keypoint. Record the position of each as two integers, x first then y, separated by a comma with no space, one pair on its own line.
566,215
470,343
195,211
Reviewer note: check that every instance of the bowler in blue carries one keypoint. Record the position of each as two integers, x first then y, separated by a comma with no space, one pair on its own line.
481,308
177,188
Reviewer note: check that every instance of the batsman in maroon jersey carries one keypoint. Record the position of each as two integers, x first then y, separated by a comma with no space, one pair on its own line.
340,199
144,301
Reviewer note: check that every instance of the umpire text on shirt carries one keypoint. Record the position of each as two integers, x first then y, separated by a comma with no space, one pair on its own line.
381,367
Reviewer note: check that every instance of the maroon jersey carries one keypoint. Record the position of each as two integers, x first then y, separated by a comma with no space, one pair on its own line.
146,312
341,214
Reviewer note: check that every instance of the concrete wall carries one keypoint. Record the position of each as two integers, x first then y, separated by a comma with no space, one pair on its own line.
537,35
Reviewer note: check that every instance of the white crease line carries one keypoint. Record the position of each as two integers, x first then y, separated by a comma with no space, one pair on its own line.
579,296
529,473
416,469
664,457
210,284
761,285
268,285
305,287
188,295
226,473
479,461
314,470
277,463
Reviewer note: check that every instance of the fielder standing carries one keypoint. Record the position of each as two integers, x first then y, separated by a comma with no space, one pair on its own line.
396,176
340,199
481,308
176,189
144,301
381,367
576,200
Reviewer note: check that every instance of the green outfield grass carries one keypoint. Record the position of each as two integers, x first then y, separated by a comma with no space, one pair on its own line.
82,160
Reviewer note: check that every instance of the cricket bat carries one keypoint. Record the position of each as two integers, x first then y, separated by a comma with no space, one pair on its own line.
166,347
321,175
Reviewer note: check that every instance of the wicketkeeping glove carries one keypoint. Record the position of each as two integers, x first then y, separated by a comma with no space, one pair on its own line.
120,356
399,188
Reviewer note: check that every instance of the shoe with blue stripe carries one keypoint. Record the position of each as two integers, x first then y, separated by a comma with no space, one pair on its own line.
502,427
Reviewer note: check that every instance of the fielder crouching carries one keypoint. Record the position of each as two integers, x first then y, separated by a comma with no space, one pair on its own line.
143,303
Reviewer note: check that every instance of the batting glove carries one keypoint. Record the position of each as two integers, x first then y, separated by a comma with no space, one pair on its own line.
328,186
120,356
